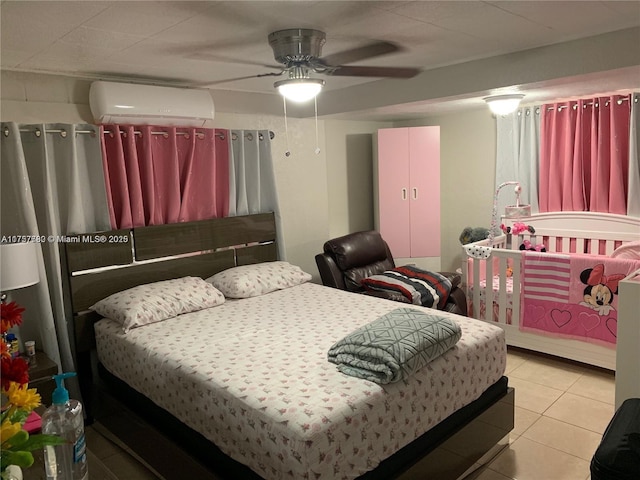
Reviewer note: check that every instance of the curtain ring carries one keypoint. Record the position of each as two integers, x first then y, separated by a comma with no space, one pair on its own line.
249,136
186,136
6,132
63,133
234,136
38,132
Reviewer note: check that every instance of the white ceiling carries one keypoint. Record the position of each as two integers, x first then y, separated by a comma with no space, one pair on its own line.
194,42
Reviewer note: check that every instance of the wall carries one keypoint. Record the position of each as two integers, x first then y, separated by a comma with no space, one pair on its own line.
350,175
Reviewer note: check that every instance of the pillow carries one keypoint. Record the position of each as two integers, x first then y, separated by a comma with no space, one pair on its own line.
629,250
420,287
154,302
254,280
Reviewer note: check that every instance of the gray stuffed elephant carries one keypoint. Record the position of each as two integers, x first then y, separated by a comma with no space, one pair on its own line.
473,234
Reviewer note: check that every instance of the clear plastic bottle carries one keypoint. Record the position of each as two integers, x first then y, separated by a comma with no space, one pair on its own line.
65,419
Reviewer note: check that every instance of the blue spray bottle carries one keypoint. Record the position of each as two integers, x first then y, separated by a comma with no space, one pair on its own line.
65,419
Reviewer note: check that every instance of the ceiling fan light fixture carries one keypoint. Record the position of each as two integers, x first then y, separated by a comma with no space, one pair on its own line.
299,89
504,104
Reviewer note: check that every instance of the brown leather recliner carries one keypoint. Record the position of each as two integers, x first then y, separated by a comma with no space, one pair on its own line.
348,259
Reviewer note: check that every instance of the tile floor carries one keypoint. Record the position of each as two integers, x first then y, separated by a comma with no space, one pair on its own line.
562,410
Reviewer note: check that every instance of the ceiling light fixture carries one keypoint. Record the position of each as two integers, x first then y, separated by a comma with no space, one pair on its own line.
299,89
504,104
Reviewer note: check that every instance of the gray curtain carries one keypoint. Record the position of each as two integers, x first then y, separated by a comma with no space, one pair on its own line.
52,185
517,155
252,182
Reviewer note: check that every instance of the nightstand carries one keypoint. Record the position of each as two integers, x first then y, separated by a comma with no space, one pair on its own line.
40,377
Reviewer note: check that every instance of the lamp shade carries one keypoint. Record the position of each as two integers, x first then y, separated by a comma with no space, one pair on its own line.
299,89
18,266
504,104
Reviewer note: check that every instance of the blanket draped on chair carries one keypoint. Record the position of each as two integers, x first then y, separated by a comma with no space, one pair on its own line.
420,287
394,346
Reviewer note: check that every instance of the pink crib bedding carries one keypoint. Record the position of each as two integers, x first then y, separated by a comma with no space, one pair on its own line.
483,300
574,296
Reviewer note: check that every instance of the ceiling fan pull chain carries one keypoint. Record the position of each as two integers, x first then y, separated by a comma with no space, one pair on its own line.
315,101
286,127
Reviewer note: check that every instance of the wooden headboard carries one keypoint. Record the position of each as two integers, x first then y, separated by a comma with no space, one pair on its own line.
103,263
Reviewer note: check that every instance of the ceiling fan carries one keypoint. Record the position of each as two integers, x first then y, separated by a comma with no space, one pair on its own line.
299,51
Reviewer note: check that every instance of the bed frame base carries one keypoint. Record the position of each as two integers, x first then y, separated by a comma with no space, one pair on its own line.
452,449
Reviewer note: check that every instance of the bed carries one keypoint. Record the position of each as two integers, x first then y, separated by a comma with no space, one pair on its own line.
501,283
254,371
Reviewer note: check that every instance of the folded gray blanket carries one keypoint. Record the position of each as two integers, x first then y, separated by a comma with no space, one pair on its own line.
394,346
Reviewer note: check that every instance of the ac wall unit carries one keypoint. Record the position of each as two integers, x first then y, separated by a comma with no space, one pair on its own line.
132,104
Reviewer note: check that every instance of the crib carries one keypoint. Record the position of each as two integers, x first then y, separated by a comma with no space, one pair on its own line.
494,285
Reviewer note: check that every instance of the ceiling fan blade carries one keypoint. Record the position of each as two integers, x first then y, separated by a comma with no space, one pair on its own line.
210,57
227,80
355,71
360,53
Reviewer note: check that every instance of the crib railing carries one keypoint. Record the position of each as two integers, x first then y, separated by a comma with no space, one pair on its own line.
504,257
571,240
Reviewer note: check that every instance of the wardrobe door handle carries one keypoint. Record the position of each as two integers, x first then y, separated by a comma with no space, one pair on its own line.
404,194
415,193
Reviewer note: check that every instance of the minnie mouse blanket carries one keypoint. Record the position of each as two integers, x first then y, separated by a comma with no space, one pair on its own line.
573,295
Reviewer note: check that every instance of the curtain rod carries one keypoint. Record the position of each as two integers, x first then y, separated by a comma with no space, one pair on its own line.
63,133
595,104
221,136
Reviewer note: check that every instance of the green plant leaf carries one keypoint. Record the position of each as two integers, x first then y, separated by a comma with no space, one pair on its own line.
38,442
16,441
20,416
21,459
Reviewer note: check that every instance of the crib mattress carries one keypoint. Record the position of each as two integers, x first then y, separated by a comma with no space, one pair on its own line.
252,376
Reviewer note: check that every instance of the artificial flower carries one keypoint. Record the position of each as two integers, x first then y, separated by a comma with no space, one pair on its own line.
11,315
8,430
23,397
4,350
16,442
13,370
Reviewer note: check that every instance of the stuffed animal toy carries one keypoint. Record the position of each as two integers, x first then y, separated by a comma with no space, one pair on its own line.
518,228
526,245
473,234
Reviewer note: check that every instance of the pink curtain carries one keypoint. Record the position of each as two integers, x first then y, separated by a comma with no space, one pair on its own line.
159,175
584,155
